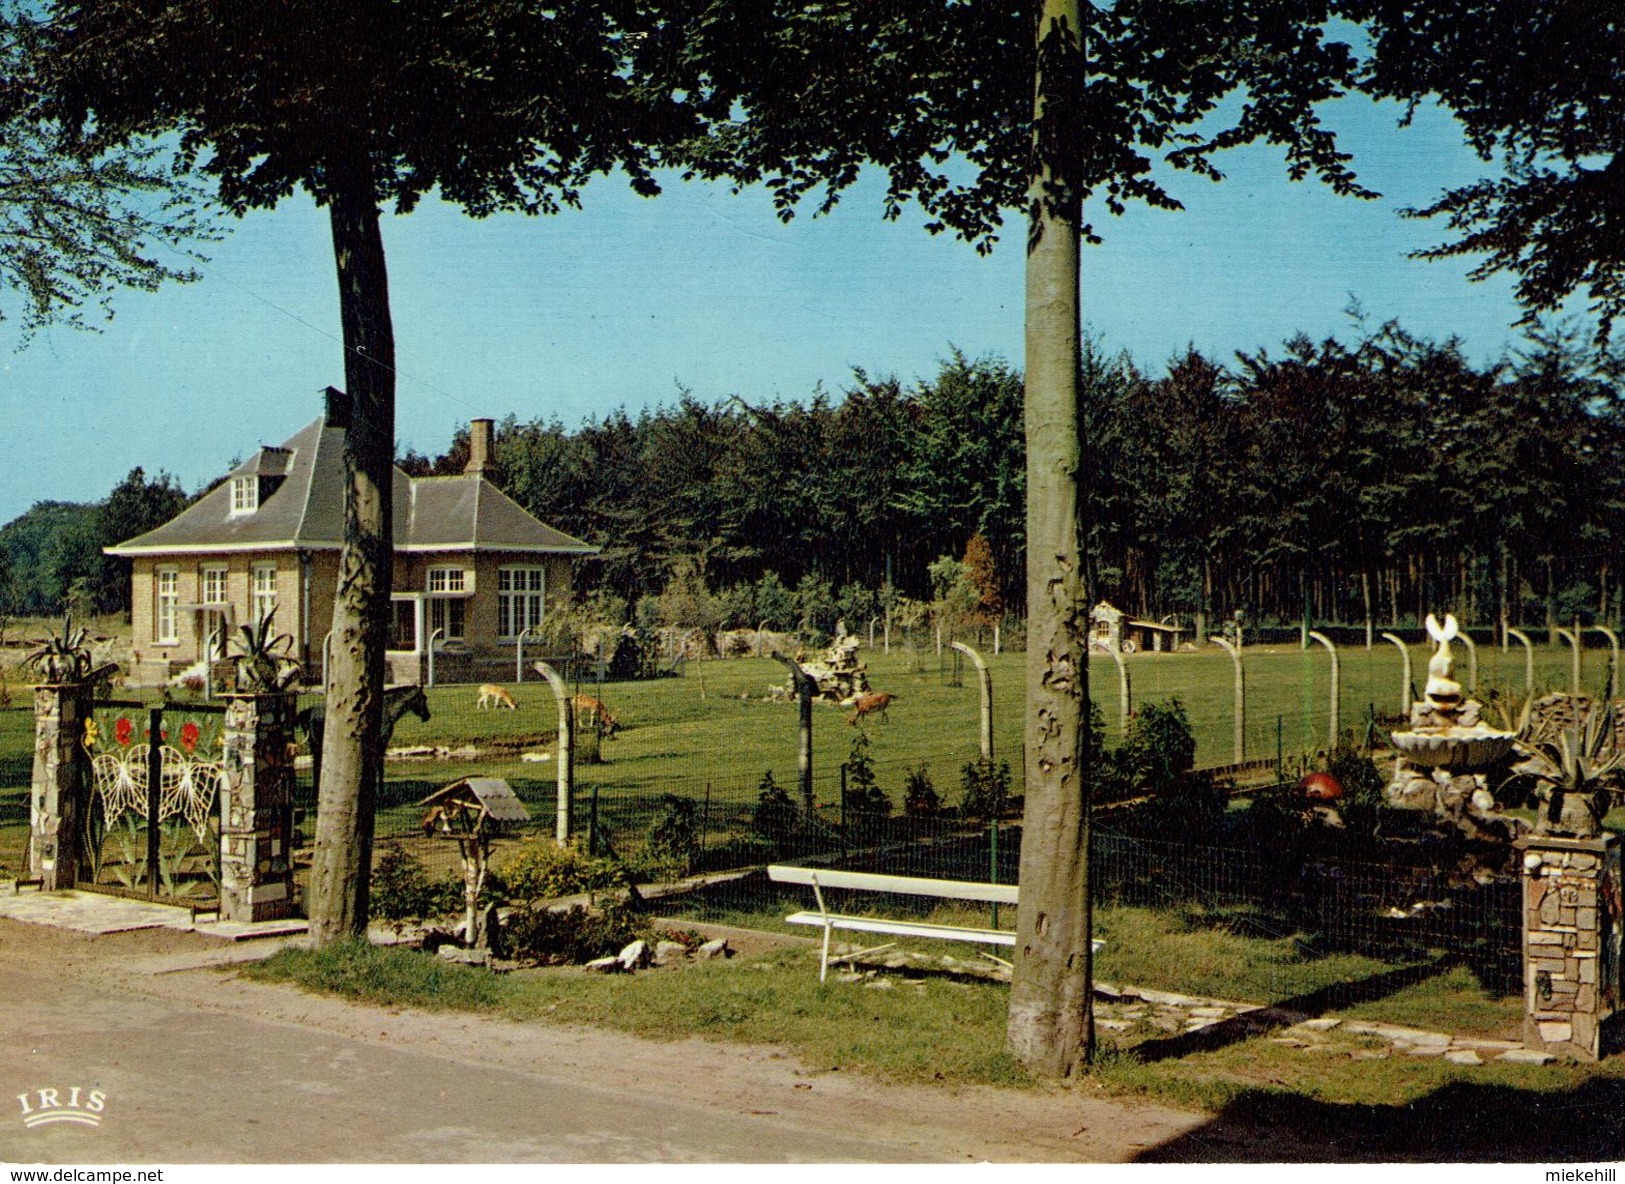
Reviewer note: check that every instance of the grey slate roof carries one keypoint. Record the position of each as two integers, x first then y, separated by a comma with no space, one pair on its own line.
305,510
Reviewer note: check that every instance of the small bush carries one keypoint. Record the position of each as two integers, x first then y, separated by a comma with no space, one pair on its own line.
542,870
574,935
863,793
987,789
920,798
402,891
674,839
776,818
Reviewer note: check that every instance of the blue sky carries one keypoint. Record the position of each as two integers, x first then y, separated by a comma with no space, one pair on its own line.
620,302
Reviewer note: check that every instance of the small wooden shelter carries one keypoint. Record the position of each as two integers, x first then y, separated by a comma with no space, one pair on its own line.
473,811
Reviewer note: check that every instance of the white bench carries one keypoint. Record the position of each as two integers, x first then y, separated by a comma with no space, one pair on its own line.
820,878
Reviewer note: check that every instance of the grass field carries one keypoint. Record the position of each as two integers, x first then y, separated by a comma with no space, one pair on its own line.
715,731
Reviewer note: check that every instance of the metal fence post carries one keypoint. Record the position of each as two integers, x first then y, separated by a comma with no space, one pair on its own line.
155,771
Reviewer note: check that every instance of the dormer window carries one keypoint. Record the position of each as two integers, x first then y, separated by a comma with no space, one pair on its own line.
245,495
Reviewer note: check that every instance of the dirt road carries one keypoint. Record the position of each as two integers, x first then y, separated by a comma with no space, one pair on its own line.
196,1065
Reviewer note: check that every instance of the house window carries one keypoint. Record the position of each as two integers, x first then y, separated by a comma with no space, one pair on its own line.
214,586
168,599
448,581
447,615
264,590
519,600
245,495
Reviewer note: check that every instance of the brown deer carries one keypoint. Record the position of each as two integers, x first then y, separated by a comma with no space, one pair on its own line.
870,703
597,715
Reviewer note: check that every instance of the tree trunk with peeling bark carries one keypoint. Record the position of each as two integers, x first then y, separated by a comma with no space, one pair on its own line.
352,755
1051,1020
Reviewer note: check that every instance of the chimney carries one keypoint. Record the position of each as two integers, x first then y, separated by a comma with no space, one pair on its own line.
479,447
338,408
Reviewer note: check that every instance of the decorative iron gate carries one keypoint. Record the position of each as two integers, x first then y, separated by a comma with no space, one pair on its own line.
152,827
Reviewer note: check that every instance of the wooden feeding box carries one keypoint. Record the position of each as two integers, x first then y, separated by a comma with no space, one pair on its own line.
472,811
473,806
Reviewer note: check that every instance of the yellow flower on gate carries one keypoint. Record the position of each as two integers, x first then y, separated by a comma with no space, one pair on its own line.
91,736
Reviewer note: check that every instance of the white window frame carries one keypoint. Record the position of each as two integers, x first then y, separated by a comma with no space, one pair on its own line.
245,495
447,581
445,618
213,584
260,599
521,607
166,597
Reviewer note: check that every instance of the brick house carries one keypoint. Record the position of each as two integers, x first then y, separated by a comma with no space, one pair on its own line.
473,569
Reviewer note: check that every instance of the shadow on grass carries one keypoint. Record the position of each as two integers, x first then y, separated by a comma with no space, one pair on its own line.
1290,1011
1459,1123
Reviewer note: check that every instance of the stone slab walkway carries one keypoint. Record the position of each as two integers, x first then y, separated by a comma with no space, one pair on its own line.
97,913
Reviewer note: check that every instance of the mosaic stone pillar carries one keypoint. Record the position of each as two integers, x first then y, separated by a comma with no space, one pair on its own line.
256,809
1572,927
60,793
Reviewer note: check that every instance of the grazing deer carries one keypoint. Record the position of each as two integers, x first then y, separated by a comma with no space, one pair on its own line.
493,696
588,708
870,703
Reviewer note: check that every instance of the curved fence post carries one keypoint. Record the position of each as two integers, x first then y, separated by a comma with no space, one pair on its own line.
432,638
804,750
985,681
1331,744
519,655
1572,636
1405,673
1472,659
1528,659
567,727
1613,660
1239,742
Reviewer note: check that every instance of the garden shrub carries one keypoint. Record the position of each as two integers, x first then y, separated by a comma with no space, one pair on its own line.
401,889
987,789
574,935
920,798
542,870
1158,758
674,838
863,792
776,818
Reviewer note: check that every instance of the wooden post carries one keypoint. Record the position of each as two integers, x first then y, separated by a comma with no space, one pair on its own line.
1331,744
984,680
804,752
1239,736
561,826
1405,675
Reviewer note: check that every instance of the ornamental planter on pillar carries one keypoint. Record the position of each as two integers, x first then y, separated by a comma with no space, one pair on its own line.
60,793
256,810
1572,929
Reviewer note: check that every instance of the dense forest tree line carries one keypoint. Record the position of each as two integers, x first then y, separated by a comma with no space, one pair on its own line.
1376,481
1384,478
51,557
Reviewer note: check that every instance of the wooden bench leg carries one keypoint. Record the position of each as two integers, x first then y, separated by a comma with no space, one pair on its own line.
823,960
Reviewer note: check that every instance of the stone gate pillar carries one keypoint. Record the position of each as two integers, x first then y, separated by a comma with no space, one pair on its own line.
256,809
1572,921
60,794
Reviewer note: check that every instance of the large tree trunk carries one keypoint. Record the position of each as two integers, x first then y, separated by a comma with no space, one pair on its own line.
352,747
1051,1022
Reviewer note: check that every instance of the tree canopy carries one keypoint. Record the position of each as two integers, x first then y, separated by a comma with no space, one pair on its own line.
1537,89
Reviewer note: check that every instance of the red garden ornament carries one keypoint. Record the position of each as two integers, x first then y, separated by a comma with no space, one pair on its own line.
123,729
189,736
1321,787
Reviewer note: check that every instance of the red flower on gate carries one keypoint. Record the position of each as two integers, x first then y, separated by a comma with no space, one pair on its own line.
189,736
123,729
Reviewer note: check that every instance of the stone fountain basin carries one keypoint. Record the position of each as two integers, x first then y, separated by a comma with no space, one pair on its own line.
1454,748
